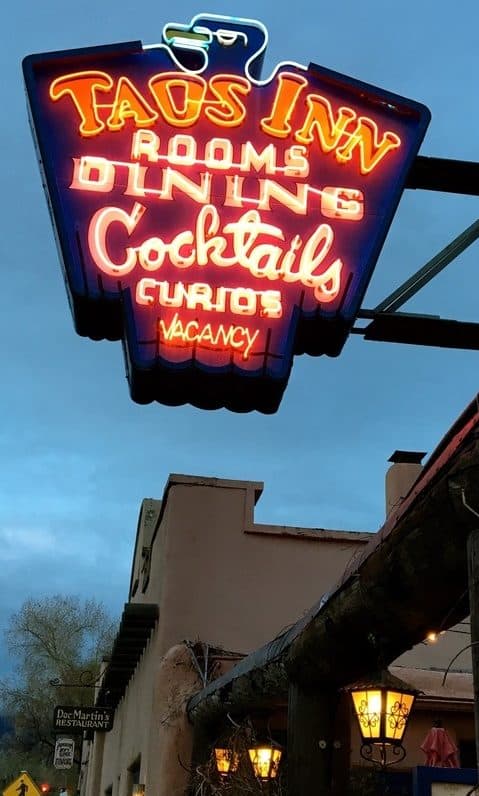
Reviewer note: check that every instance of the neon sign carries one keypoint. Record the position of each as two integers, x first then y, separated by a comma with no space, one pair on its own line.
217,223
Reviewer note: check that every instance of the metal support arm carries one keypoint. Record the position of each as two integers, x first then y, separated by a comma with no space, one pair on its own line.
387,325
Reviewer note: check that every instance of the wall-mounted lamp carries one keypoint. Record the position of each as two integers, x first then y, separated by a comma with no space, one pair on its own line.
382,706
138,789
226,761
265,759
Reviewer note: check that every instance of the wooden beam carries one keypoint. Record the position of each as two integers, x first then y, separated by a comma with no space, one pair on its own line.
445,175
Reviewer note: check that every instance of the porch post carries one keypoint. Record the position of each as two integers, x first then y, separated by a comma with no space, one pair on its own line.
473,569
311,718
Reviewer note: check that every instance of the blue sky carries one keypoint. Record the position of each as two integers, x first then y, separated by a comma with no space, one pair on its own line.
77,456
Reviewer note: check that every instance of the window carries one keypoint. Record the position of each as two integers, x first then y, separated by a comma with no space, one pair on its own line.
467,754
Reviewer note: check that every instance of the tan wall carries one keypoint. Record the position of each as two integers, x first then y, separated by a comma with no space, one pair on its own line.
223,579
170,734
129,737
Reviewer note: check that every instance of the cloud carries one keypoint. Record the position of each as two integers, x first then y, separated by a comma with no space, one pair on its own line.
16,543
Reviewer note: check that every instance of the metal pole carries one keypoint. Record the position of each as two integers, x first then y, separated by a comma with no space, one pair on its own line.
428,271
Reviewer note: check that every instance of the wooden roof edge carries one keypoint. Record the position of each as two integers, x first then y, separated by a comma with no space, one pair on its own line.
147,615
447,704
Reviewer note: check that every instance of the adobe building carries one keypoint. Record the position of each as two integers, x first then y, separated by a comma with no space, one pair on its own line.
209,586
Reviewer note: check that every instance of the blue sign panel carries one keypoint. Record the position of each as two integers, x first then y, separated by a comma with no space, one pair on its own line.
425,777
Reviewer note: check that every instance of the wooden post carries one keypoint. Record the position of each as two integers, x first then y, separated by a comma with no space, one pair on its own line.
311,717
202,745
342,745
473,569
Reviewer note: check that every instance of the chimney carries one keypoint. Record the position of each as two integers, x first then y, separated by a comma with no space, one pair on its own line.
405,468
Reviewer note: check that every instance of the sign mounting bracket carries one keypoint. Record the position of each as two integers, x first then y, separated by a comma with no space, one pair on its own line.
389,325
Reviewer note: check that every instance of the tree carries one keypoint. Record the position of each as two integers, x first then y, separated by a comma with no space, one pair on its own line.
57,644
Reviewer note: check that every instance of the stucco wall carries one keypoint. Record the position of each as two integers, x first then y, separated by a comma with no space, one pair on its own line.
219,577
128,739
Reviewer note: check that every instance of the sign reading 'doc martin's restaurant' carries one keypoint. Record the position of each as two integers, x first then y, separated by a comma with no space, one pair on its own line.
218,223
76,718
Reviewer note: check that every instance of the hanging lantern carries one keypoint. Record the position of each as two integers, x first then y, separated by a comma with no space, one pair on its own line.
265,759
382,707
226,761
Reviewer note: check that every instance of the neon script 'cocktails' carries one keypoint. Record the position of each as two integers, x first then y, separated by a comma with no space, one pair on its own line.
216,222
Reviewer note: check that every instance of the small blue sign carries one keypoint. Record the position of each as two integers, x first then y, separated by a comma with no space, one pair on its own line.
424,777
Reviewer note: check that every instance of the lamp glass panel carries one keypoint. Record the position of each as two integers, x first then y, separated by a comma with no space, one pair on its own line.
398,709
367,706
226,761
265,761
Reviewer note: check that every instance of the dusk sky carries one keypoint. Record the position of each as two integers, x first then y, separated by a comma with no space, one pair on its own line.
78,456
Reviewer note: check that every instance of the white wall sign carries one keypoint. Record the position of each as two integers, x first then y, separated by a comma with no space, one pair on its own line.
64,750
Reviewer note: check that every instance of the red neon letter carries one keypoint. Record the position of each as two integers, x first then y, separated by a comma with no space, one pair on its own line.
371,151
227,110
129,103
81,87
182,110
289,89
320,120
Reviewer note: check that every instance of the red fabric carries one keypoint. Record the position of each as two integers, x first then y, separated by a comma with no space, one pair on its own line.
439,749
